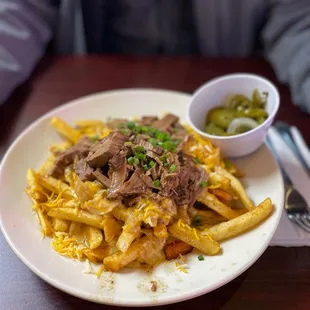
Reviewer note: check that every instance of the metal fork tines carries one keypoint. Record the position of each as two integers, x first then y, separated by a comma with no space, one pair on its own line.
297,209
295,204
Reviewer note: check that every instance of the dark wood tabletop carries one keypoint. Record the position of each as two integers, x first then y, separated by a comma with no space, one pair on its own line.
280,279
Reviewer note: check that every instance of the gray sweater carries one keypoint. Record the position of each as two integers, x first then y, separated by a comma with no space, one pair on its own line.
228,28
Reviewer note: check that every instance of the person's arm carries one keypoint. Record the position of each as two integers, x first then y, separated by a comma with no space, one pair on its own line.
25,29
287,44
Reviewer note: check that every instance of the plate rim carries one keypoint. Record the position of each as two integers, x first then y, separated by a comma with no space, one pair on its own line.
107,300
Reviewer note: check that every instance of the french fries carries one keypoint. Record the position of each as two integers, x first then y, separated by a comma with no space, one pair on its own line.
111,228
140,230
213,203
79,216
65,130
56,186
93,237
120,259
99,254
242,223
194,238
60,225
237,188
45,222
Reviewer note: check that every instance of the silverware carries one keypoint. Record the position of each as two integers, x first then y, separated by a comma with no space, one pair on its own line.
286,134
295,205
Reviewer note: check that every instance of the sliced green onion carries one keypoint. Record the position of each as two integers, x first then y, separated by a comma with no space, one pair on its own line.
201,258
140,156
146,167
94,138
130,160
121,126
203,183
131,125
152,163
124,132
196,161
136,161
157,183
227,164
153,141
197,220
172,168
139,149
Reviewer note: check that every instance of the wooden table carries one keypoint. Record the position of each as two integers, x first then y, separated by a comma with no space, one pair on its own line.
280,279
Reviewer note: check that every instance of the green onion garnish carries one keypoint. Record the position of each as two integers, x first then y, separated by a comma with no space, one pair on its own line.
121,126
153,141
124,132
197,220
196,161
156,183
146,167
94,138
227,164
203,183
139,149
201,258
140,156
130,160
136,161
131,125
172,168
152,163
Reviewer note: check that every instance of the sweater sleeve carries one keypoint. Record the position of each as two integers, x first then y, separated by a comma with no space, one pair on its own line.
25,29
286,39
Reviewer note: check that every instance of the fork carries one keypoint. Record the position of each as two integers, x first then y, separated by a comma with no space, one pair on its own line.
295,205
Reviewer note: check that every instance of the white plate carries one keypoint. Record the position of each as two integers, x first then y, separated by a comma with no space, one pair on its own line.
130,287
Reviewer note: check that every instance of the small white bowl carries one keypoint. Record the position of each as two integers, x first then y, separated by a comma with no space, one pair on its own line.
214,92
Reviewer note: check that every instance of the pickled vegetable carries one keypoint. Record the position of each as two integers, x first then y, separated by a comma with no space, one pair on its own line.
221,117
213,129
241,115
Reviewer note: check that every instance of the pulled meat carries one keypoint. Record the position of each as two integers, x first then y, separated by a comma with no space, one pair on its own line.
138,158
105,149
83,170
66,158
100,177
167,121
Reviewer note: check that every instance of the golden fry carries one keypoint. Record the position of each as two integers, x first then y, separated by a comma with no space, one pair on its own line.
93,236
45,223
242,223
111,228
88,123
65,130
77,215
60,225
34,190
237,188
194,238
213,203
130,232
97,255
120,259
56,186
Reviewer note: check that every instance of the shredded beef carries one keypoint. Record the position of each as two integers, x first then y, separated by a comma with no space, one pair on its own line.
105,149
66,158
